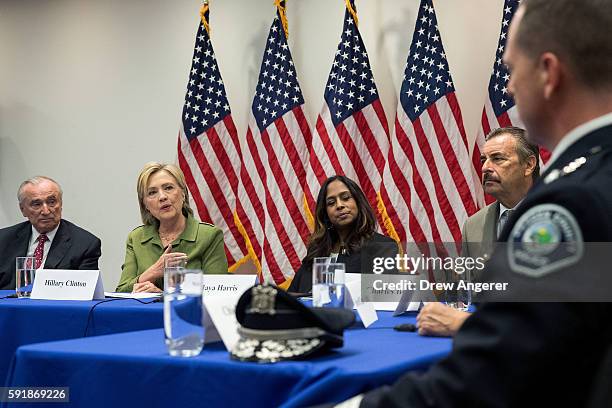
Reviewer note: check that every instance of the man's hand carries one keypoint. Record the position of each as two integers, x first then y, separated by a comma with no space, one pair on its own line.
437,319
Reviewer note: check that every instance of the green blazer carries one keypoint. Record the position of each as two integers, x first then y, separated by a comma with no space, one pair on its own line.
202,242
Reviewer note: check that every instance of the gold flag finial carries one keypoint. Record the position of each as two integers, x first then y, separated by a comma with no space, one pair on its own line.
280,6
351,10
204,17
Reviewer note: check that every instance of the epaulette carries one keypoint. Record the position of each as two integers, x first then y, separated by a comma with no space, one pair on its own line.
571,166
140,226
207,223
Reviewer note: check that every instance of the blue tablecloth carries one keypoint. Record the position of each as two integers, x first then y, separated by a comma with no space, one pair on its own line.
134,369
27,321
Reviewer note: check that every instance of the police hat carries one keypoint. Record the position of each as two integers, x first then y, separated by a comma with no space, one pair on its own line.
274,326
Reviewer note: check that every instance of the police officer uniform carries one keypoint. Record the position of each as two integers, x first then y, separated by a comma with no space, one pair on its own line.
534,354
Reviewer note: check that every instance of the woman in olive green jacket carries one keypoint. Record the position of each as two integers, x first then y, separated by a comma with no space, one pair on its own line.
170,232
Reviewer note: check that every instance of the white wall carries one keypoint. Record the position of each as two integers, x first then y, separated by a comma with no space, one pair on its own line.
90,90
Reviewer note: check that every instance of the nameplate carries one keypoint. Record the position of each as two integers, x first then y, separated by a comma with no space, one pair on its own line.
386,306
220,320
227,285
64,284
365,310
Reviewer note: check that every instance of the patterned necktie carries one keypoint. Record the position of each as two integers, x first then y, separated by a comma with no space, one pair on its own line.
40,250
503,220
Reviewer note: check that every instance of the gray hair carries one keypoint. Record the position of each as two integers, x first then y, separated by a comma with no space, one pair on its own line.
35,181
524,148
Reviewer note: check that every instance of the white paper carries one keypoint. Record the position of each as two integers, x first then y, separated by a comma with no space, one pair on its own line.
407,304
65,284
384,306
132,295
320,295
365,310
367,313
220,320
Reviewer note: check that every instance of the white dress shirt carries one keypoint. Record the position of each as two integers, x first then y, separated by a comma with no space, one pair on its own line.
34,243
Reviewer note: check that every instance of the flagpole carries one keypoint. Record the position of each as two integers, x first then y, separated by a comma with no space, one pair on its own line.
204,15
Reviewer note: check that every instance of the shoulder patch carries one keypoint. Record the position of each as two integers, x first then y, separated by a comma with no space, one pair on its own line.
545,239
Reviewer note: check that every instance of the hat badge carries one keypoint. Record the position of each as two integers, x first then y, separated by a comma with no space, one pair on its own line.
263,300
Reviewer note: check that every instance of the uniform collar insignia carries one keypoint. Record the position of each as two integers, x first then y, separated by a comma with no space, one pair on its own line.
567,169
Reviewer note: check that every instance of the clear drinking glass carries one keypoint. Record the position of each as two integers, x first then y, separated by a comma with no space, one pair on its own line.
26,272
183,317
177,263
328,288
460,296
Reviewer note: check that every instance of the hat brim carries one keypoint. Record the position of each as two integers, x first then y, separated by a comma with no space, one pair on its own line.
271,346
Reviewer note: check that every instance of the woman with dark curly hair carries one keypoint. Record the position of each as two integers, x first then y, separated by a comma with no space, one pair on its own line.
344,229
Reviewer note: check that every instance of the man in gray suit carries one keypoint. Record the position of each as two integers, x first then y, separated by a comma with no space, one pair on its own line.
510,165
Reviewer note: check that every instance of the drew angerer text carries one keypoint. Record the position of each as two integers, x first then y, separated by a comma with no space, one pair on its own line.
403,285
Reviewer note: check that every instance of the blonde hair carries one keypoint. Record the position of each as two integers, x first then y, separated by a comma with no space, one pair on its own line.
147,171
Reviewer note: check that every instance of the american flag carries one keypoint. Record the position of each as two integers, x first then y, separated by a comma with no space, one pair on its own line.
499,109
351,136
208,146
428,189
273,176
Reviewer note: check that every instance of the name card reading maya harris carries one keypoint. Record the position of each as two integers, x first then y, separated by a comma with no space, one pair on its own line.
234,285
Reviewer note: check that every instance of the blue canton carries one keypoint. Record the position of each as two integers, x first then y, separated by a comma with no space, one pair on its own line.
426,77
498,91
205,100
350,86
277,90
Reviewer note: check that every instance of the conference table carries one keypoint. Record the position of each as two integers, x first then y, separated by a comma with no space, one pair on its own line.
134,369
27,321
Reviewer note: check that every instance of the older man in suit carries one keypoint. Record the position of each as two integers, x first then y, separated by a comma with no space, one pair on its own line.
510,166
541,342
55,243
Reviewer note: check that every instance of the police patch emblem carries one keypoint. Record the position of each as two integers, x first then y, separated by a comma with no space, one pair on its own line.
546,238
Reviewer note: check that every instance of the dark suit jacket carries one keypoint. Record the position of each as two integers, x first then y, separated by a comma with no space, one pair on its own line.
513,354
72,248
378,246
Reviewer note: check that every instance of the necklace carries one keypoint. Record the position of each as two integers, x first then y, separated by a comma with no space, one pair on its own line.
167,238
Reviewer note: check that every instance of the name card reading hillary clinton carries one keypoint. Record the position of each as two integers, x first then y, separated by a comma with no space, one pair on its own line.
64,284
215,285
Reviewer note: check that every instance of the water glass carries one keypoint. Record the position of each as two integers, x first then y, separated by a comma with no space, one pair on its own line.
177,263
328,289
460,296
26,272
183,313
